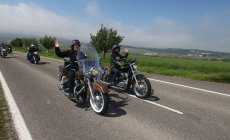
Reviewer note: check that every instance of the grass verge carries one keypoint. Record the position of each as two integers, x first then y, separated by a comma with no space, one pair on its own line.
6,131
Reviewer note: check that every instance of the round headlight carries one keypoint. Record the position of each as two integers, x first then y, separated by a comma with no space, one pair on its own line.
134,66
94,71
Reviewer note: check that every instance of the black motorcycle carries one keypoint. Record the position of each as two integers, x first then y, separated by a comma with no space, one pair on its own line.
9,50
127,78
34,58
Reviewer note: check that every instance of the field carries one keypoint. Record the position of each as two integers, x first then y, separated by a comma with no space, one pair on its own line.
215,71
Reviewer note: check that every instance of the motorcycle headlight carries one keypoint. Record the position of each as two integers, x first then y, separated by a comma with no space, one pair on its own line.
35,53
135,67
95,71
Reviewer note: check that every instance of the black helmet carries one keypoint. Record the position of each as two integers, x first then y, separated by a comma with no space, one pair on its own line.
116,46
76,42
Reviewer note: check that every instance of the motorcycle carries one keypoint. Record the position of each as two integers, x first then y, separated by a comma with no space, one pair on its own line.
86,85
9,50
34,58
128,77
3,53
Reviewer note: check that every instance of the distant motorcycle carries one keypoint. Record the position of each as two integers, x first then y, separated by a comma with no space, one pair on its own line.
3,53
9,50
128,77
34,58
86,88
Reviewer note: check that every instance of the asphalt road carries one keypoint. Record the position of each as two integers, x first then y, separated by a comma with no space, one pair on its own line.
197,111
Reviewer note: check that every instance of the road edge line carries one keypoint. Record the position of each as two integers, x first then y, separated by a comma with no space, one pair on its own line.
18,121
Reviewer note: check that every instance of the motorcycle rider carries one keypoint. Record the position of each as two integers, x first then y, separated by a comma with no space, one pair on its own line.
31,50
115,61
3,46
72,54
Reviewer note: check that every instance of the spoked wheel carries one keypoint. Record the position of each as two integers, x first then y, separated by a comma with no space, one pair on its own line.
101,103
144,89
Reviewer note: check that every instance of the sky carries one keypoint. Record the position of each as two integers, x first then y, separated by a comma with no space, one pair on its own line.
189,24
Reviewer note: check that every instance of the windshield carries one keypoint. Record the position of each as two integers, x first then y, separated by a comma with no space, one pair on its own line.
87,58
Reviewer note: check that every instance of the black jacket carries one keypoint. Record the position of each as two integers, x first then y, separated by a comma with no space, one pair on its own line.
71,54
68,53
116,57
33,49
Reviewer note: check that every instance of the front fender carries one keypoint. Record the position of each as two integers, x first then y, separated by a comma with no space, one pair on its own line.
98,86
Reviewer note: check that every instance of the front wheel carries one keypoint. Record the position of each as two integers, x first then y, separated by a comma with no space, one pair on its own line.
144,89
101,103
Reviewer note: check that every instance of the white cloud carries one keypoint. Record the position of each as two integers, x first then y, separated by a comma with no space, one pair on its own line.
32,20
26,19
93,9
163,21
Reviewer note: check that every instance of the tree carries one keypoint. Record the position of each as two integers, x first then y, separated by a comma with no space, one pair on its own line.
105,39
17,42
48,42
28,41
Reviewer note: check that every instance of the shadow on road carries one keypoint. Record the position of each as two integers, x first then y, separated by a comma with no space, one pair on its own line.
43,63
115,107
8,57
150,98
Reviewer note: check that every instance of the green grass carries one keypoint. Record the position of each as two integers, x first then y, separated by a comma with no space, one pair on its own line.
215,71
5,129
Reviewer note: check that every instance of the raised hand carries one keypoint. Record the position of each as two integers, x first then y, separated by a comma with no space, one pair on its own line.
126,50
57,43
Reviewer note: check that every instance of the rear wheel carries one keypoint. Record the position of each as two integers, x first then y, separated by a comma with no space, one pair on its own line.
144,89
101,103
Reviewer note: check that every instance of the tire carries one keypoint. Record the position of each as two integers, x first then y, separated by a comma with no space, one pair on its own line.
142,81
104,105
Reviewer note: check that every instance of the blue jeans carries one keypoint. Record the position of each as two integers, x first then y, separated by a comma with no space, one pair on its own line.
115,73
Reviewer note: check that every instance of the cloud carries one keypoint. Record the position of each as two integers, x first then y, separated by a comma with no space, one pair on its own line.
163,21
33,20
93,9
24,19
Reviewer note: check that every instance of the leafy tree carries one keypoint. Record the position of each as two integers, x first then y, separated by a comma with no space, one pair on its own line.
48,42
105,39
28,41
17,42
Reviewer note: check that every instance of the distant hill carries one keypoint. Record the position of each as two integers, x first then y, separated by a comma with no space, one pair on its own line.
174,51
169,52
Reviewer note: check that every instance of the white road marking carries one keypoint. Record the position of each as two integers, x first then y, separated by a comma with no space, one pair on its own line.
159,105
214,92
20,126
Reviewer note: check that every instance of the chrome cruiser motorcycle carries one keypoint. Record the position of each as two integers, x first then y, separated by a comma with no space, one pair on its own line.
128,77
34,58
87,88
